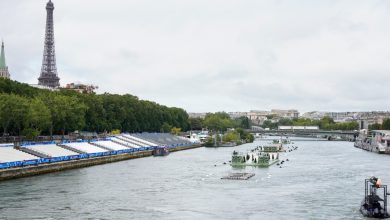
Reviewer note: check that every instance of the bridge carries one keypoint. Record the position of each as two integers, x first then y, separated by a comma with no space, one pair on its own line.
315,133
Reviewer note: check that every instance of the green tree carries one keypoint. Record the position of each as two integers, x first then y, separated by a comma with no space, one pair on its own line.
269,124
5,110
175,131
219,121
67,113
196,123
38,118
69,110
231,136
326,123
375,126
285,121
386,124
243,122
165,128
13,112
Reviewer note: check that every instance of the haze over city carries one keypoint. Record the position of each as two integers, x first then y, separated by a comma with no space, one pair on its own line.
212,55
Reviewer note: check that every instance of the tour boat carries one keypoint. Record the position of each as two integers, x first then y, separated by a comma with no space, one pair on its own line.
374,141
373,206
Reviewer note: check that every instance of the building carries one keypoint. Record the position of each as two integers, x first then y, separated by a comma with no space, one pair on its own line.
291,113
49,76
81,88
314,115
197,115
258,117
235,115
45,87
363,118
3,66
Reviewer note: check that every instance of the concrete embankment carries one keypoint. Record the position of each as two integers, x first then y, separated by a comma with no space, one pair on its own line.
20,172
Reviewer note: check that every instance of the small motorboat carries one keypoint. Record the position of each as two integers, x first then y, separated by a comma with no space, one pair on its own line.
374,206
160,151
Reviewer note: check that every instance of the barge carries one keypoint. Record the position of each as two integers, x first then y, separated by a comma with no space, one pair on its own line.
258,157
377,141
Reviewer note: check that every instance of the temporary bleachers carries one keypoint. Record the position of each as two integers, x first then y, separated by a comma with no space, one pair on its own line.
164,139
128,138
111,145
9,154
52,150
85,147
139,140
124,142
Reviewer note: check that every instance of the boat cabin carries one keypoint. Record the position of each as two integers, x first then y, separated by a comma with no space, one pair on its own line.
382,137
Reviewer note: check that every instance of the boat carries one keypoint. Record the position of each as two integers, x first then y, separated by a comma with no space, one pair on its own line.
375,141
264,157
160,151
374,206
282,141
271,148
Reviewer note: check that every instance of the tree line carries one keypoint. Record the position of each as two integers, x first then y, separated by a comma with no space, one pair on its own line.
325,123
384,126
219,121
25,110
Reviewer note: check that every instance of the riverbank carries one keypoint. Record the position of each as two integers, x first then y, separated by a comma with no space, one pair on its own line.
20,172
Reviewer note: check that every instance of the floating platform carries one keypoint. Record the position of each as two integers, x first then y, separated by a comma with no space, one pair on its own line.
238,176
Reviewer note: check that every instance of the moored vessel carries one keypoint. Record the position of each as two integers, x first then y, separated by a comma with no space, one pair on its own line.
160,151
375,141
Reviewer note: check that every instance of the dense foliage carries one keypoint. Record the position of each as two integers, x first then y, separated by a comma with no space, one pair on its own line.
238,135
326,123
219,121
384,126
27,110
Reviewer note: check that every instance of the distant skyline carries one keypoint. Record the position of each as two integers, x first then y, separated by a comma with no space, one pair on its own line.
207,56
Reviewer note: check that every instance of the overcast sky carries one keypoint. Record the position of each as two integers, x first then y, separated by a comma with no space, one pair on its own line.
212,55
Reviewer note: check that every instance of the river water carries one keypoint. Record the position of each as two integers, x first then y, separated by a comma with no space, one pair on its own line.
321,180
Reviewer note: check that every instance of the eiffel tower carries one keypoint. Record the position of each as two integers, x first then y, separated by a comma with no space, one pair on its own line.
49,76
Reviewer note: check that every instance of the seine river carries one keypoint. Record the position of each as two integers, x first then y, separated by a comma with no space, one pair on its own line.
321,180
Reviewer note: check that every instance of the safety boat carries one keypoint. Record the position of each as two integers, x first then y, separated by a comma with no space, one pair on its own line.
160,151
374,206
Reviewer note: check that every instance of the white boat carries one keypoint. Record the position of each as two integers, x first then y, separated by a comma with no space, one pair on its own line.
374,141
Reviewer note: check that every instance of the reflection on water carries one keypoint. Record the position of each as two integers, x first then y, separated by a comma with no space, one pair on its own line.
321,180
